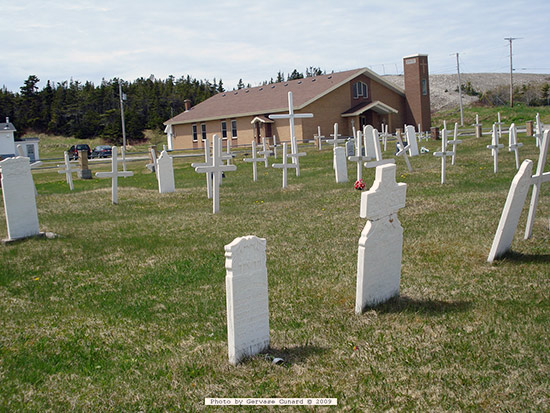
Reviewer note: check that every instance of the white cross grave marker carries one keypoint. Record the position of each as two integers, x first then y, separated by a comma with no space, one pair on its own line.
537,179
335,141
207,162
359,157
114,174
216,169
538,130
294,144
443,154
495,146
513,145
454,142
284,166
381,242
403,151
266,152
68,170
319,137
377,153
499,123
255,161
275,145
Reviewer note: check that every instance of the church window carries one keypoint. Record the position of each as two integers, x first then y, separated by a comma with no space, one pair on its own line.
424,87
194,133
203,131
234,129
224,129
360,90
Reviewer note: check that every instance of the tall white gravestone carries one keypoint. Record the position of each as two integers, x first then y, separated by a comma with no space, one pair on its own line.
340,165
19,198
512,211
369,141
412,143
165,173
246,298
381,243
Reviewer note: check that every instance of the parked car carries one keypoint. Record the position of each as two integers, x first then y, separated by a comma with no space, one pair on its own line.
102,151
73,150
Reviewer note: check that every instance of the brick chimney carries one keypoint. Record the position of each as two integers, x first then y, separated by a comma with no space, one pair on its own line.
187,103
417,91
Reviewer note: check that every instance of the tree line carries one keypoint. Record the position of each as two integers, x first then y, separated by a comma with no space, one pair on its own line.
87,111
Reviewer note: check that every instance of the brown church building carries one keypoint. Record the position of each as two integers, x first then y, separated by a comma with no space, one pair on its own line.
355,97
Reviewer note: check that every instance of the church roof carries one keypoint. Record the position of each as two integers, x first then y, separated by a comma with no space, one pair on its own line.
272,98
7,126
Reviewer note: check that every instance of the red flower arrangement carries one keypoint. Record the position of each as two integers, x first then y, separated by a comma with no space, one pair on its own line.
359,185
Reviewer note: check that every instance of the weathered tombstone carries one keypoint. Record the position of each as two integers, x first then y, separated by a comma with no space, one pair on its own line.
369,138
152,165
513,145
454,142
512,211
538,179
207,162
216,169
246,298
68,170
359,158
165,173
341,166
381,243
255,160
84,172
412,143
34,165
19,198
495,146
295,155
114,174
443,154
350,147
284,166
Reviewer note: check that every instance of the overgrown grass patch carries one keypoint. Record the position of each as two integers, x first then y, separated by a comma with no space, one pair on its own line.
126,309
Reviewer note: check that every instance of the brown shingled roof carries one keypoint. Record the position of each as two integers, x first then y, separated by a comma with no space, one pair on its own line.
271,98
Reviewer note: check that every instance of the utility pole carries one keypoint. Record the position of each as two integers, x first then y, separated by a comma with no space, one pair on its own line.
459,91
510,39
122,99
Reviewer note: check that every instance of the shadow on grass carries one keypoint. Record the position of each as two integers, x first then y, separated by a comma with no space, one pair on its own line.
294,355
404,304
519,258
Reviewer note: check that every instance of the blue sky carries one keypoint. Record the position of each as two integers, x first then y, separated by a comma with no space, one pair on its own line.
89,40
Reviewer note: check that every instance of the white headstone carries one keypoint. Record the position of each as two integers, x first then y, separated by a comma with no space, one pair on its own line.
19,198
412,142
165,173
369,141
512,211
284,166
381,243
246,298
537,180
513,145
216,169
341,166
114,174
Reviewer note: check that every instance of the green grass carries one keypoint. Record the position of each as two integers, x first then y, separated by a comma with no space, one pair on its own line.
125,311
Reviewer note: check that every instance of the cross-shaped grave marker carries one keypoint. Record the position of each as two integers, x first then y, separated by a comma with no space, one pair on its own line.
68,170
295,155
454,142
359,157
266,152
381,242
275,145
478,125
335,141
284,166
319,138
207,162
255,161
403,151
537,180
538,130
377,153
513,145
443,154
495,147
216,169
499,123
114,174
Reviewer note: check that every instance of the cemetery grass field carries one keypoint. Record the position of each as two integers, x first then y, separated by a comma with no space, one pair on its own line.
125,311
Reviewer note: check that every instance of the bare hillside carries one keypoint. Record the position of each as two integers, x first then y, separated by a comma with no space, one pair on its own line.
443,92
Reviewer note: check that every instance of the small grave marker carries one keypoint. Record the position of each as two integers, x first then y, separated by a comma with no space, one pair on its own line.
495,147
284,166
246,298
403,150
381,243
165,173
359,158
68,170
478,126
341,166
412,143
369,141
255,161
207,162
513,145
454,142
266,152
443,154
114,174
319,138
